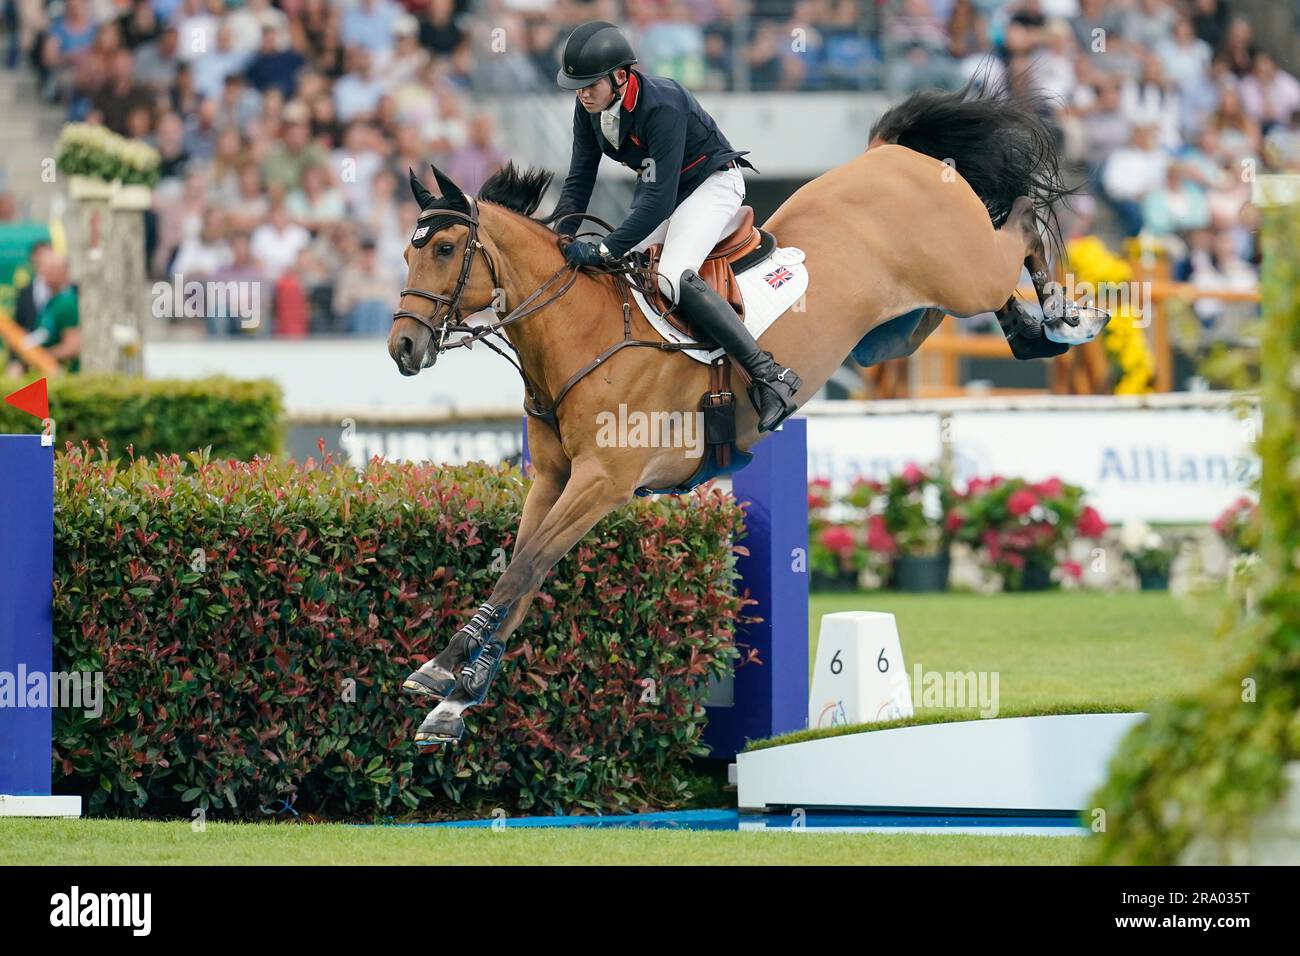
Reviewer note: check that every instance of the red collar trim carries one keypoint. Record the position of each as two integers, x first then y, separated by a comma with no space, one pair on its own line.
631,91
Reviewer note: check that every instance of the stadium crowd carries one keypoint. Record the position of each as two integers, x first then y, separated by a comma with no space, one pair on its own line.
285,128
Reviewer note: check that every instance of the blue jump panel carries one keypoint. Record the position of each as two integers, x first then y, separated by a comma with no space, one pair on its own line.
26,607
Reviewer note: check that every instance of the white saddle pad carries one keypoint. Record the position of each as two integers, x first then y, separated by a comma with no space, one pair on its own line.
768,290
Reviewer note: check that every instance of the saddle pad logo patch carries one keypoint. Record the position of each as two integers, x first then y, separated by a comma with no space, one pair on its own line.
778,277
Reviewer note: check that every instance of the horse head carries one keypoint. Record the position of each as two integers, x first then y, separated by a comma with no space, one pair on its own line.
442,283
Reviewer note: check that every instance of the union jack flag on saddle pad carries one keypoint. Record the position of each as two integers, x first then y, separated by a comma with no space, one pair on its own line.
778,277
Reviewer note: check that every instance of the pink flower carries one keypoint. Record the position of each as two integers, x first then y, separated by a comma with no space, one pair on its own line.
912,474
1051,488
819,493
838,539
954,521
1013,560
1073,569
878,536
1091,524
1021,502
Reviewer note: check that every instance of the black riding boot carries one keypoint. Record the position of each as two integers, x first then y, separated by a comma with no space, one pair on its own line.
772,387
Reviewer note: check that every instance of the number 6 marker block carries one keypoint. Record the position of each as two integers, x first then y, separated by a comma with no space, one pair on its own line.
859,677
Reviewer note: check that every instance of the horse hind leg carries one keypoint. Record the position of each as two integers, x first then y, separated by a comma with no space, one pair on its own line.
1064,322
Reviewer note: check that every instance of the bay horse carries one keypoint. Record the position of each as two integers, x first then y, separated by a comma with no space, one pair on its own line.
937,216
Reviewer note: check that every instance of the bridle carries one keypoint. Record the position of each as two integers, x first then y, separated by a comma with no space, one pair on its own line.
452,303
448,308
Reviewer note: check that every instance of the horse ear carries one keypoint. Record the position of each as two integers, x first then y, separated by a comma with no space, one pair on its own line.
422,195
450,191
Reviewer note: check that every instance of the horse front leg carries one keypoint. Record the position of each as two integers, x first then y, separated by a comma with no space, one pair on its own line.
589,495
436,678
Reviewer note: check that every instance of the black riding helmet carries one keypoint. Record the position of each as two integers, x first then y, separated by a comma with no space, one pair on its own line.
593,50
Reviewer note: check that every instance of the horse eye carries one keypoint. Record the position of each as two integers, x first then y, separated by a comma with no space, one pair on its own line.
445,248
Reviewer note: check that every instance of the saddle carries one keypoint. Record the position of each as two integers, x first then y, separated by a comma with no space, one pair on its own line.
745,246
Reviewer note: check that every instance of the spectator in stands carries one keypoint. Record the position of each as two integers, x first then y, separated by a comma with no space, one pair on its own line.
274,65
364,294
1186,57
1177,206
250,23
357,92
369,24
240,266
196,23
57,324
1238,133
202,135
120,94
294,152
917,45
156,61
1239,48
206,253
249,206
316,202
1268,95
1132,172
238,106
470,165
67,41
277,242
169,140
968,39
211,69
1106,127
33,295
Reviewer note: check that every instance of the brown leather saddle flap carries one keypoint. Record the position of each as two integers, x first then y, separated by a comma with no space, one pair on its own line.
715,270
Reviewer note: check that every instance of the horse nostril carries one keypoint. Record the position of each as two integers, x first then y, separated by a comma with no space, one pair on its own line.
407,346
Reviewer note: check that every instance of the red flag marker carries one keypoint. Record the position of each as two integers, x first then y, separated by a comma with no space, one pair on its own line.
32,399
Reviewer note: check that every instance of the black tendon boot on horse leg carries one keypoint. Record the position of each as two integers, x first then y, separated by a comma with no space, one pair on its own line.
444,724
436,678
772,387
1025,334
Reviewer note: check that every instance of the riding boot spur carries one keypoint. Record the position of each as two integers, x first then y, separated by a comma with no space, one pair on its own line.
772,387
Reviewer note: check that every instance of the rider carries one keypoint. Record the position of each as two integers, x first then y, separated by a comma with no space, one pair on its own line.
689,189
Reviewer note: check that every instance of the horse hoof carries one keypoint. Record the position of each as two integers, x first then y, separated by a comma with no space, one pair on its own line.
1087,325
430,681
439,729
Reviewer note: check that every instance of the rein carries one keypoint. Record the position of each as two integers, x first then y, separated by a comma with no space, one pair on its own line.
635,276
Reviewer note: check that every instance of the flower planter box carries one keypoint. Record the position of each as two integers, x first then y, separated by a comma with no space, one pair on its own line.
90,189
1036,576
921,573
1153,581
837,583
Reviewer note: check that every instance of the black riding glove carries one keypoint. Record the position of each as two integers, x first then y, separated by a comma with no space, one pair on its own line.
583,253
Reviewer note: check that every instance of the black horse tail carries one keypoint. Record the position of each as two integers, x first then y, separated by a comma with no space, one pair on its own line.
995,137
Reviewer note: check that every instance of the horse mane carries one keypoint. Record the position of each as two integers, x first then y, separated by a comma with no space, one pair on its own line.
517,189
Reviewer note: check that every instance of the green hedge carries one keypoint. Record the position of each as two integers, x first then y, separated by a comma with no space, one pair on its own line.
1205,765
225,681
237,419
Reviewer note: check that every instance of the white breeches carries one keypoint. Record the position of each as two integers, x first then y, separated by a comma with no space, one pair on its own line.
705,217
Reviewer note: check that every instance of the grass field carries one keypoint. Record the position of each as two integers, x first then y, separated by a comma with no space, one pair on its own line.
1051,651
117,842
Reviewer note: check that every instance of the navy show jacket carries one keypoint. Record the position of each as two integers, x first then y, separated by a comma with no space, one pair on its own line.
661,121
